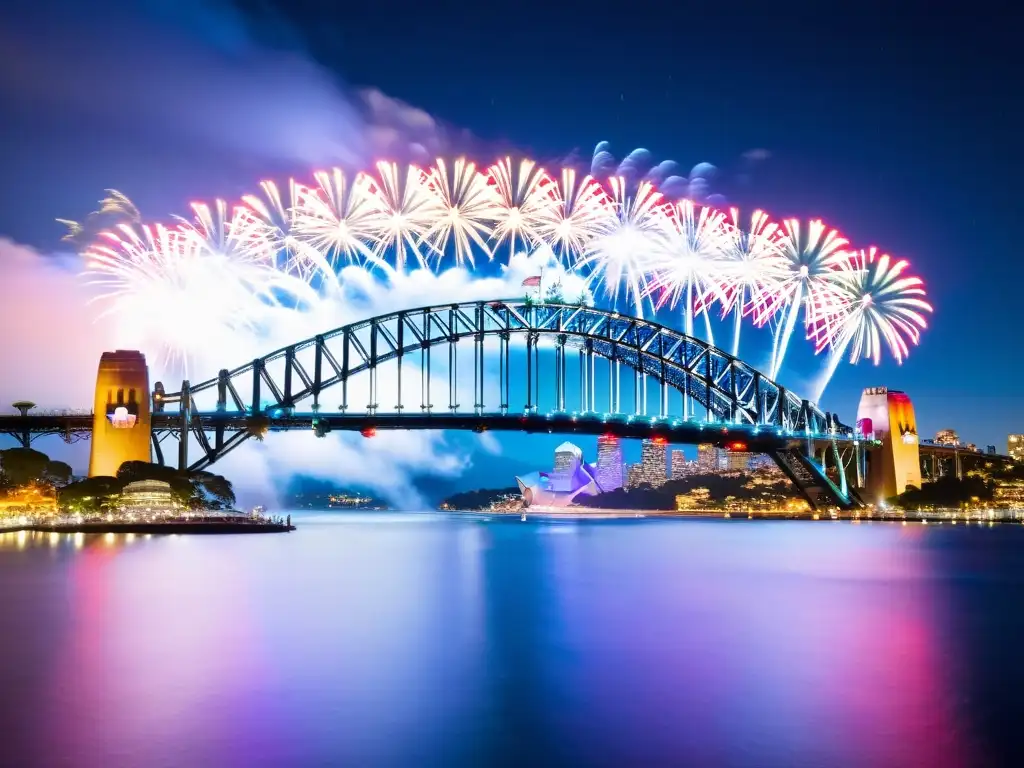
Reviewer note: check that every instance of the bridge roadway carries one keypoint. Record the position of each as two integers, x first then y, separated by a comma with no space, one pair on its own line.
673,430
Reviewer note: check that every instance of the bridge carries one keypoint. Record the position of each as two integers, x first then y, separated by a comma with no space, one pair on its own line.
631,378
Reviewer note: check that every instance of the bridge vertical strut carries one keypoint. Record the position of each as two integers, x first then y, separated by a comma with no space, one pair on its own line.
184,424
503,370
583,383
346,344
591,377
398,361
223,381
318,362
529,372
371,406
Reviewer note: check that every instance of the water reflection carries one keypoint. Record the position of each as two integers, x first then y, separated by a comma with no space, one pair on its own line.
373,639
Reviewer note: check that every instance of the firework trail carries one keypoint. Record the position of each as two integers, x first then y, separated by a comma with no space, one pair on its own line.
812,254
339,218
751,271
687,267
468,206
577,217
876,306
526,196
631,233
408,208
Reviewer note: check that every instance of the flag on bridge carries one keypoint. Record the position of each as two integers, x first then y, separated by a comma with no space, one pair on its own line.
532,282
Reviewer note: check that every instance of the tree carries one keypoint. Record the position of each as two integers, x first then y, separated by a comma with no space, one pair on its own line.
91,494
23,466
57,473
214,490
945,492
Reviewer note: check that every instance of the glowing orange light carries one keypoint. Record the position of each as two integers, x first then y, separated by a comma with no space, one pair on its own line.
737,446
368,431
660,441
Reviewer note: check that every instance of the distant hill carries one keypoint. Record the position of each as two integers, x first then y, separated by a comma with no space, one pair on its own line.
486,472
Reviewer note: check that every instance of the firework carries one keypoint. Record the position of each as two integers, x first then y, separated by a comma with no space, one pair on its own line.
811,257
526,196
468,207
578,216
165,285
408,209
338,217
876,306
629,235
688,265
751,271
233,236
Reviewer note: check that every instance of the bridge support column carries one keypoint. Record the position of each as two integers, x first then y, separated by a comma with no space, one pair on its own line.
122,427
898,463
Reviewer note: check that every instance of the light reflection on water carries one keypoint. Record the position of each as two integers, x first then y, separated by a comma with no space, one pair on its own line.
437,640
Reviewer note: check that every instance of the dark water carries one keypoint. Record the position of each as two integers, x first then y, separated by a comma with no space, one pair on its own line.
429,640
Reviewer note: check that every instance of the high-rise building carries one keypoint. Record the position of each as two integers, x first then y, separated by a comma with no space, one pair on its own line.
652,462
568,458
634,476
609,462
990,449
1015,447
947,437
679,465
734,461
707,459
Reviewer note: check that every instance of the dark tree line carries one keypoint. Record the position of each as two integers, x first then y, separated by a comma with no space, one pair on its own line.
22,467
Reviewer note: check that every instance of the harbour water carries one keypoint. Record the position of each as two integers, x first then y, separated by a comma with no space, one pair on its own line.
428,639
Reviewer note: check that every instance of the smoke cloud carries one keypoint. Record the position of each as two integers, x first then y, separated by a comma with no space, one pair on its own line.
190,73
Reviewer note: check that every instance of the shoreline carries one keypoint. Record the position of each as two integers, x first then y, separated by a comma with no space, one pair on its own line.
218,527
625,514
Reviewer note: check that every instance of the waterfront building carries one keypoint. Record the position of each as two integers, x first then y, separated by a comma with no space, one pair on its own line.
609,462
148,495
762,462
29,500
653,462
947,437
568,458
697,498
1015,447
539,489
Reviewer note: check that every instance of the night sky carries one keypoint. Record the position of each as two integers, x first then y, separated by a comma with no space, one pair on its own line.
897,126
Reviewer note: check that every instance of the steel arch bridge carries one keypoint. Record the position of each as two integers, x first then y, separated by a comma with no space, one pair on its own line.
683,389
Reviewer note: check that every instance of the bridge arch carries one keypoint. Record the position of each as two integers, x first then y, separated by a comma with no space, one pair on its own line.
716,387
